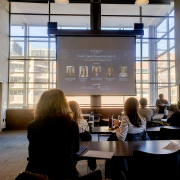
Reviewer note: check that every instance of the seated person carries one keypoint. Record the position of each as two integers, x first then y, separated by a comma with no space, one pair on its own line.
132,123
161,103
174,118
144,111
77,116
53,137
132,128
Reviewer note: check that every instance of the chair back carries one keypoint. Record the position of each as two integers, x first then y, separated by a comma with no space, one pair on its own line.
169,134
85,136
25,175
95,175
153,166
137,137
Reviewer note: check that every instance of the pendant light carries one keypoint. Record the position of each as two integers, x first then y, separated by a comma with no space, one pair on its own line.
61,2
141,2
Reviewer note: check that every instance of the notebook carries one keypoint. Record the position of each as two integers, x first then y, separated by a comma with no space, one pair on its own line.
99,154
81,150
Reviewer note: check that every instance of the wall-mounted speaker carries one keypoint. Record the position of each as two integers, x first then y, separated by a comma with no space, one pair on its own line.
52,25
138,26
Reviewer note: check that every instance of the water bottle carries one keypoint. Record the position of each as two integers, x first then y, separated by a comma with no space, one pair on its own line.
110,121
165,111
91,119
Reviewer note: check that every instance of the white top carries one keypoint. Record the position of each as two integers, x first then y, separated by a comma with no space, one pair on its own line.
83,126
127,127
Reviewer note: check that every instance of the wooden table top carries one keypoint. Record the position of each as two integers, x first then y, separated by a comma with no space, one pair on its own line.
126,148
105,130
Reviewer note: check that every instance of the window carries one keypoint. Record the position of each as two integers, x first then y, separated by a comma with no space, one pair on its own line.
33,53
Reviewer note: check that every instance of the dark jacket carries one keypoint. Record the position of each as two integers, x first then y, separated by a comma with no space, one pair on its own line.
174,120
53,143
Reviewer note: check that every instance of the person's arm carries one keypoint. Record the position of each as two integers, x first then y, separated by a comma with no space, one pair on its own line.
166,103
158,103
121,133
87,127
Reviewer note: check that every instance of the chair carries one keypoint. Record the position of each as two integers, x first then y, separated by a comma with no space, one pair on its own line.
96,175
169,134
153,166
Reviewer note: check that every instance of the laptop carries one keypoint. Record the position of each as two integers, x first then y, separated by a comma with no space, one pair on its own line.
81,150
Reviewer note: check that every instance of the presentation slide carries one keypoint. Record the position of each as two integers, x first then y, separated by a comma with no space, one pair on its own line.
96,65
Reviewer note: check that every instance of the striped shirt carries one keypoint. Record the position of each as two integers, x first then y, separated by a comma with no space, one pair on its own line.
83,126
127,128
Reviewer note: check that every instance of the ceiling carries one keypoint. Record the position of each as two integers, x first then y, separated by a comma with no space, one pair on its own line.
79,9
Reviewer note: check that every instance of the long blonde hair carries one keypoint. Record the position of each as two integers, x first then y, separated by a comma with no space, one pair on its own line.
77,114
52,103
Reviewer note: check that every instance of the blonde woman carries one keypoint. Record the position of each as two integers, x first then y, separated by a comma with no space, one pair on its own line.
77,116
53,137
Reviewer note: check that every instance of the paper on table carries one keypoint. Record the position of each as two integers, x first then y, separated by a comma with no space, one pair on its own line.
172,146
99,154
165,120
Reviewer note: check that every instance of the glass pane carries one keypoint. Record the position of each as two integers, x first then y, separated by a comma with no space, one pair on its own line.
37,77
162,27
163,76
38,31
174,96
172,54
17,30
162,45
70,9
154,22
17,48
34,95
29,20
172,75
68,21
40,8
138,51
16,95
157,10
145,50
119,9
16,66
16,77
125,22
81,100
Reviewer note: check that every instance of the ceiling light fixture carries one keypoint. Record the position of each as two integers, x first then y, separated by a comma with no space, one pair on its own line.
61,2
141,2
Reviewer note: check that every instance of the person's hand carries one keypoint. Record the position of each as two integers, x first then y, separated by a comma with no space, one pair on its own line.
116,123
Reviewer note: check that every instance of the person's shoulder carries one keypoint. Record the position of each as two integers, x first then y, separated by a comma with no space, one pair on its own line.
143,120
125,119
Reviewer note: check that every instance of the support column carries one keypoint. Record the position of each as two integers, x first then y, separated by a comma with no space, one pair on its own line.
177,43
95,16
95,20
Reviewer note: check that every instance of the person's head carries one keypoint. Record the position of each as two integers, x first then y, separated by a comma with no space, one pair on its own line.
77,114
52,103
131,111
143,102
83,70
109,70
69,70
161,96
123,70
96,69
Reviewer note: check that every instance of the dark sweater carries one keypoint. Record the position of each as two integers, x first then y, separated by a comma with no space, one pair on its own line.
53,143
174,120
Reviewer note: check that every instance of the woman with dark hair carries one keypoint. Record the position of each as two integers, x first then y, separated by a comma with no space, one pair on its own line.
109,73
133,127
53,137
83,72
96,72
